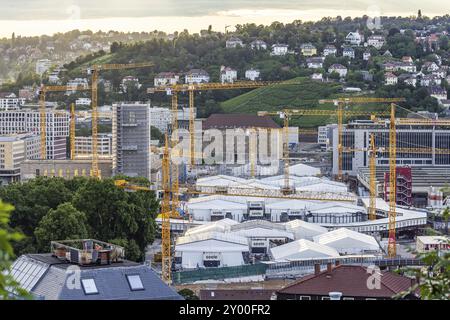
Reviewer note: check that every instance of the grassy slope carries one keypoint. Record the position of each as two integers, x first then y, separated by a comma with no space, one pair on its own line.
302,93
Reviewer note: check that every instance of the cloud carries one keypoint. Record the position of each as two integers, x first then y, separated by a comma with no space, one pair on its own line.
94,9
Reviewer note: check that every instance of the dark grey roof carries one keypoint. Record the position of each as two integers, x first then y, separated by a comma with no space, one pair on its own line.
48,278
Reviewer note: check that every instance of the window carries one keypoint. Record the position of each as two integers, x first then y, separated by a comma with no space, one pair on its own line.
348,298
305,298
89,286
326,298
135,282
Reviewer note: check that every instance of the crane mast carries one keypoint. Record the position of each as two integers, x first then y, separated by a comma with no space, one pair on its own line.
165,214
392,184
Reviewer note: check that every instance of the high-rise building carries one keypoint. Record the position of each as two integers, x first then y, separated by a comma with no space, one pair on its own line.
14,149
131,139
57,128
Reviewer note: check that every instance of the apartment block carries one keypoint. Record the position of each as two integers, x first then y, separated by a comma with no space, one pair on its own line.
83,146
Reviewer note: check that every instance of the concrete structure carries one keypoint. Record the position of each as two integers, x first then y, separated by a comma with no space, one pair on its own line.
432,243
83,146
131,139
9,101
25,120
66,169
14,149
356,136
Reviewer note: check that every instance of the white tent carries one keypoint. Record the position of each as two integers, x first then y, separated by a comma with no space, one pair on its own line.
217,226
304,230
302,249
303,170
348,242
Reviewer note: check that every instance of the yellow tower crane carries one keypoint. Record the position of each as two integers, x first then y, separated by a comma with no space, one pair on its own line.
287,113
191,88
94,71
165,214
43,112
340,103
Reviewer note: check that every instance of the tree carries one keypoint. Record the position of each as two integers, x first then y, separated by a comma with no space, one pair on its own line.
188,294
7,283
446,216
63,223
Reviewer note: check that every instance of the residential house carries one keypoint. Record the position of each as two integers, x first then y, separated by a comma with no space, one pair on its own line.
432,243
129,80
252,74
407,66
367,76
430,80
349,52
329,50
234,42
315,63
376,41
438,93
387,54
441,73
73,84
166,79
196,76
338,68
317,77
258,45
390,79
430,66
227,74
308,49
349,282
408,79
279,49
407,59
366,55
354,38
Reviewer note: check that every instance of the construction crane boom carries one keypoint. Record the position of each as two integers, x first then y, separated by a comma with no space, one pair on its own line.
192,87
94,71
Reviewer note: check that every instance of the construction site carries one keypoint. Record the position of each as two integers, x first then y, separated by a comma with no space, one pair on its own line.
243,219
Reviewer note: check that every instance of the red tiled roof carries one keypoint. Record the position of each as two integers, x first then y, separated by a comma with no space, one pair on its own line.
234,120
351,281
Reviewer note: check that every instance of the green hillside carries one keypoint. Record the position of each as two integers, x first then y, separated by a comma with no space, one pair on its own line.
301,93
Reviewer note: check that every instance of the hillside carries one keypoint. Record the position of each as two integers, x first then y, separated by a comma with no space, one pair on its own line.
301,93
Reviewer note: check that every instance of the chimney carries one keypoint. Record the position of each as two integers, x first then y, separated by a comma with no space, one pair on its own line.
329,267
316,269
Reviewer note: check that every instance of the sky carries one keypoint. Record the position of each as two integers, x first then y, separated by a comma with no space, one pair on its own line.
36,17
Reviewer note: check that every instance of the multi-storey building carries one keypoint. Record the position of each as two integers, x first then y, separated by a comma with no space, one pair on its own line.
196,76
14,149
57,128
356,136
131,139
83,146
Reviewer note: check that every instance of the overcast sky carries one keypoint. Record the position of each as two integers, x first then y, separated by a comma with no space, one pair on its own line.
49,16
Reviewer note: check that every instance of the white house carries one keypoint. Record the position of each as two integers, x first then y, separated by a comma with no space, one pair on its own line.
338,68
347,241
349,52
315,63
252,74
279,49
317,77
196,76
376,41
366,55
430,66
258,45
166,79
390,79
129,80
354,38
234,42
430,80
329,50
227,74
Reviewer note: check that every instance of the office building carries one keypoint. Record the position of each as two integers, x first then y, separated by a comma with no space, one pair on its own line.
83,146
131,139
57,128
